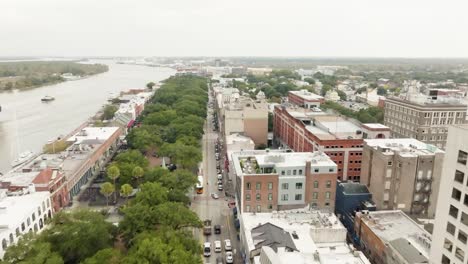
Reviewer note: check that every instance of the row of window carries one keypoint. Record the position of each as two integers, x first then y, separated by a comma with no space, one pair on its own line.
462,237
285,197
353,146
258,186
294,172
258,197
285,186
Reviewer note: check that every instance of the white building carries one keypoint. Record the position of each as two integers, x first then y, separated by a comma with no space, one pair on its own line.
296,237
236,142
332,96
21,213
450,236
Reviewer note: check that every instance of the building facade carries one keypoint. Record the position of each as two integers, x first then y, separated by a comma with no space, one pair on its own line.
268,181
304,98
305,130
402,174
392,237
450,236
427,121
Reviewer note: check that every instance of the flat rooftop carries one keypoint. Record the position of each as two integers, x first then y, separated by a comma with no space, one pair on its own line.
19,178
314,232
409,147
14,209
394,225
375,126
306,95
93,133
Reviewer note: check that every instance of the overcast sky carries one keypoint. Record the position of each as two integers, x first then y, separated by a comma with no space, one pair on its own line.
353,28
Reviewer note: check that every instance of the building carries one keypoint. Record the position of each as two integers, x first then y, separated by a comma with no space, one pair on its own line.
352,197
21,212
341,139
274,180
304,98
332,96
450,236
392,237
48,180
402,173
245,116
236,143
426,120
298,236
132,106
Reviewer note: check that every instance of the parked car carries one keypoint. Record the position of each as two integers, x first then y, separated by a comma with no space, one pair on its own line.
227,245
207,249
220,187
217,246
217,229
220,176
215,195
229,257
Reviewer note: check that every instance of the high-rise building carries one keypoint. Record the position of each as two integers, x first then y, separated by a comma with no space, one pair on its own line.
402,173
450,236
426,120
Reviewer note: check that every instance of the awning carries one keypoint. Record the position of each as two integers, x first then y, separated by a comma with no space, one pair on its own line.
130,124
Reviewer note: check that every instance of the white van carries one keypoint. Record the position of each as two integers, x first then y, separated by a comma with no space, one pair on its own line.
217,245
227,245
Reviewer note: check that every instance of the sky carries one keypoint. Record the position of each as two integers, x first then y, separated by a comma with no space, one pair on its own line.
310,28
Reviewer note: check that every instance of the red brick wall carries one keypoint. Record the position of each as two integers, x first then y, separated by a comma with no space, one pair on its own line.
322,179
264,202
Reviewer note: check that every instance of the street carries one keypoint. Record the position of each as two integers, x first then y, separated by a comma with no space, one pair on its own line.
216,210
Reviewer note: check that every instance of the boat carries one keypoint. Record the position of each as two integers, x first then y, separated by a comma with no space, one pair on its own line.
23,158
47,98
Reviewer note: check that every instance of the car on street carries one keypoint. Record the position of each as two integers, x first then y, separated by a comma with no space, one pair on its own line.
220,182
217,246
217,229
220,187
220,176
227,245
207,249
215,195
229,257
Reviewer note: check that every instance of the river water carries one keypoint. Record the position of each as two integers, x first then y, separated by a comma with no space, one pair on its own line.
26,123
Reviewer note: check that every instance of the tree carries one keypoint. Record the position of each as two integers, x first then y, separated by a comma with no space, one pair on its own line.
186,156
126,162
31,250
325,89
105,256
150,85
113,173
152,194
78,235
126,190
177,216
309,80
107,189
138,173
342,95
109,111
381,91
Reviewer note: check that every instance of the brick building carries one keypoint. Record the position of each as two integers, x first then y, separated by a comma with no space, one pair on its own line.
304,98
276,180
308,130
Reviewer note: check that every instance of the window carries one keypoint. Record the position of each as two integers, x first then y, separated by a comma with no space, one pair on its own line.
258,186
462,236
270,196
389,163
17,231
298,185
445,260
331,170
23,226
270,206
247,208
270,186
448,245
459,176
294,172
282,172
316,184
456,194
315,195
453,211
316,170
460,254
450,228
284,197
48,202
248,186
462,157
298,197
258,197
465,201
464,218
259,208
247,197
29,221
285,186
327,195
328,185
300,172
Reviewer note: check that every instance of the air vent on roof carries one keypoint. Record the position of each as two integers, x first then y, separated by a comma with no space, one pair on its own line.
294,235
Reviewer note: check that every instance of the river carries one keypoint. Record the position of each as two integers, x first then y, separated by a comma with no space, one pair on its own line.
75,101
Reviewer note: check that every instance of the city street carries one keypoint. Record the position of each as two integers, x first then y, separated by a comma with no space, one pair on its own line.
207,207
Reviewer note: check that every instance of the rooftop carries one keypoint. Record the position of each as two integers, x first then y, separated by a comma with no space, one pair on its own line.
318,237
14,209
93,133
375,126
233,138
421,101
307,95
354,187
409,147
19,178
394,227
